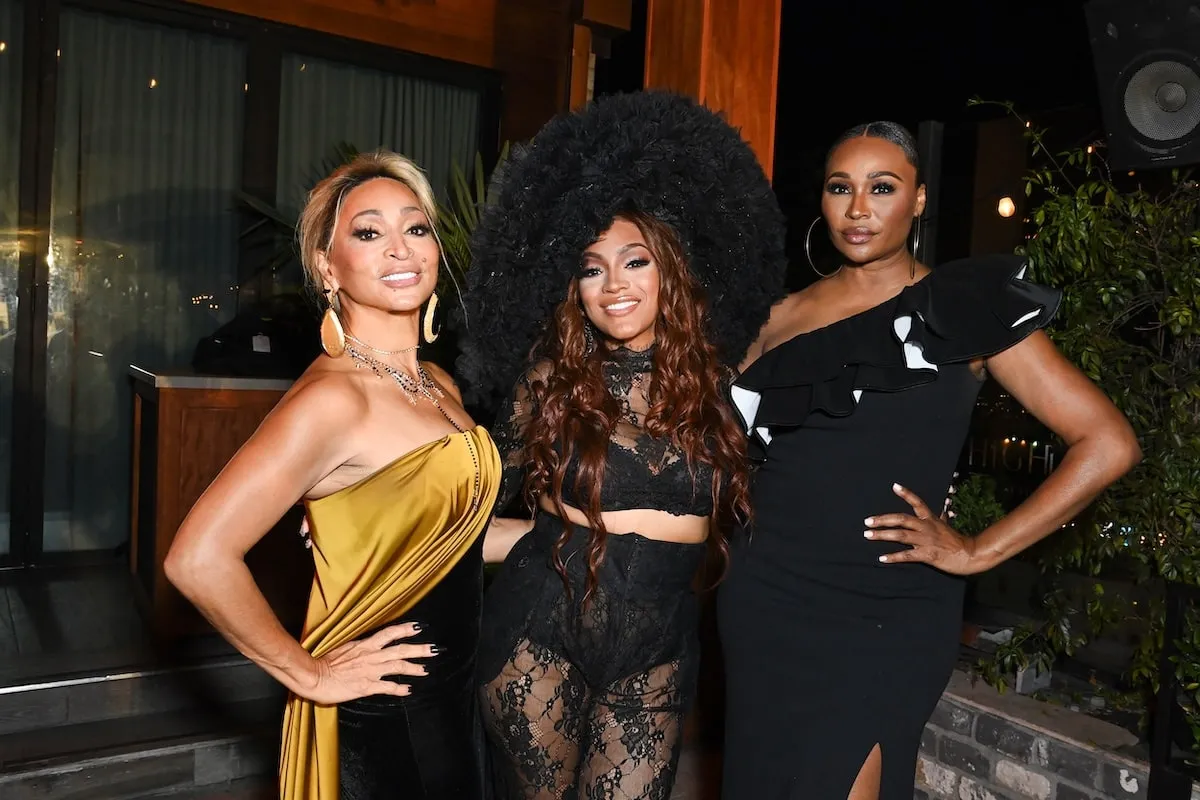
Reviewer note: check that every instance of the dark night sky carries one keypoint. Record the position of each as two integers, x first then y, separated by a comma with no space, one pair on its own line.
843,63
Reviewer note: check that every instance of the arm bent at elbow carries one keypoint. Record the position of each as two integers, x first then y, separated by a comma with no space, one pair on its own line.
293,449
1101,445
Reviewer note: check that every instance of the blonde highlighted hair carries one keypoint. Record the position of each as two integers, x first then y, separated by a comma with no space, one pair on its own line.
318,220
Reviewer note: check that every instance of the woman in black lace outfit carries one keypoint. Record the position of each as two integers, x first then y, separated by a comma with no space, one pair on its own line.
638,247
840,617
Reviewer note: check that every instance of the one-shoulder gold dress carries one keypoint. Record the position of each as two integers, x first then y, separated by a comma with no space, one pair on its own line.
403,544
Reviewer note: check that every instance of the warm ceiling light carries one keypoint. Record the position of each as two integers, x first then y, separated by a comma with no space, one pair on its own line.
1006,207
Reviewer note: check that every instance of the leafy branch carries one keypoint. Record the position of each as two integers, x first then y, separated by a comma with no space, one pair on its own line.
1126,253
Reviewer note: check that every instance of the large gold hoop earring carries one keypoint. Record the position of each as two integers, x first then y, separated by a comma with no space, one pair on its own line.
808,252
430,310
333,336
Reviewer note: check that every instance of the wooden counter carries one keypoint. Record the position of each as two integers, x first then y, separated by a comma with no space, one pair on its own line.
186,427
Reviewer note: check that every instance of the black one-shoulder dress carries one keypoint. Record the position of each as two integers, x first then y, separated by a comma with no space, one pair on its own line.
828,651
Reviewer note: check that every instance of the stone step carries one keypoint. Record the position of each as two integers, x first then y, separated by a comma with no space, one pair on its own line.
37,704
141,756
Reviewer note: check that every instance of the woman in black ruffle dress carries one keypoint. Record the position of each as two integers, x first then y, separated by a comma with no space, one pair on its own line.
841,614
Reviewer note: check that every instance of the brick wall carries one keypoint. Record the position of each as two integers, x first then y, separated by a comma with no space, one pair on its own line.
968,753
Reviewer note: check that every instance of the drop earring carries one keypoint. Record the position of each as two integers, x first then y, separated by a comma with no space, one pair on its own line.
430,310
589,338
333,336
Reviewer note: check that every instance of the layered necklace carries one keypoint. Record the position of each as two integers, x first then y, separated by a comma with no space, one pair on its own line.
423,385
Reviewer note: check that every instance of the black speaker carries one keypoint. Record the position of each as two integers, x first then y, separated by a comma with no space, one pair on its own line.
1147,59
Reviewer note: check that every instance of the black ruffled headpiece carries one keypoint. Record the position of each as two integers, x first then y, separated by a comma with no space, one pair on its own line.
656,152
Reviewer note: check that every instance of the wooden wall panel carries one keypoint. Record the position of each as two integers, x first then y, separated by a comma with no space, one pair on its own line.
457,30
581,58
533,47
614,15
675,45
725,53
741,70
528,41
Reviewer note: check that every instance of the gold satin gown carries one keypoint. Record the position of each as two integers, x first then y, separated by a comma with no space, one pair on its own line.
402,544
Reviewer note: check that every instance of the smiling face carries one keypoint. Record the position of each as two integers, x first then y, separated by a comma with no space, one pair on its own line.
870,200
383,253
618,286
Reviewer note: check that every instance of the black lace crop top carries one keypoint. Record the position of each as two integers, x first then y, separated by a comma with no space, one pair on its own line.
642,471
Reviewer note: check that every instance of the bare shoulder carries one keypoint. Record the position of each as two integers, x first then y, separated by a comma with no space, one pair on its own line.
311,430
325,394
782,317
444,379
783,313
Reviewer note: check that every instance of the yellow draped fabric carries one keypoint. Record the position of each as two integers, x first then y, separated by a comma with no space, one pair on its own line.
379,546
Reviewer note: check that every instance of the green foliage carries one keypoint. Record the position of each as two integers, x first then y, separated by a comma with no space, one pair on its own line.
281,223
1126,252
975,505
456,218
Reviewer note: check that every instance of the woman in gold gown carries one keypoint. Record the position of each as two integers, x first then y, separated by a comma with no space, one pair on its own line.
398,483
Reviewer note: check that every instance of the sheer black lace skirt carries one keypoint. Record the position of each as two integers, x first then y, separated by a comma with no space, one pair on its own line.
589,703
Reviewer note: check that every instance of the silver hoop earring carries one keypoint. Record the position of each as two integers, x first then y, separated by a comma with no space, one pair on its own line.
808,252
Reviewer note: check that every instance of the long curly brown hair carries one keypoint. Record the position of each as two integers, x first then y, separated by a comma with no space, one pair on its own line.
577,413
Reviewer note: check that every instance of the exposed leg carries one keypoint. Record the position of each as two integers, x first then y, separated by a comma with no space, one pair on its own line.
634,732
533,712
866,785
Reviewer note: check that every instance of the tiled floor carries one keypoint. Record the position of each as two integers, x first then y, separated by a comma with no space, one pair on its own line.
698,779
56,622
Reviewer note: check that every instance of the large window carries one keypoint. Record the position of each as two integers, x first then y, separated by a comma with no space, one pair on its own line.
325,104
151,119
11,20
144,244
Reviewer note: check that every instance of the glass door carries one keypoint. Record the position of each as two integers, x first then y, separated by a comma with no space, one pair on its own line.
11,30
143,245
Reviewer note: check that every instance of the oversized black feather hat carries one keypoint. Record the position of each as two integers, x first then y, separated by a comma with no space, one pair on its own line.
656,152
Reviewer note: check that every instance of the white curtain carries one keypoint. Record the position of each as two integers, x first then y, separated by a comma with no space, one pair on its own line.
144,244
326,104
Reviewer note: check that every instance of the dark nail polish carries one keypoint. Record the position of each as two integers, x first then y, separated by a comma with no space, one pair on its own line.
435,650
417,627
